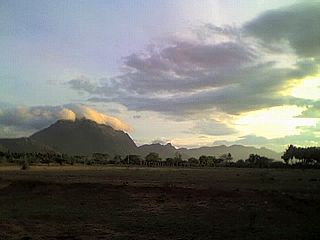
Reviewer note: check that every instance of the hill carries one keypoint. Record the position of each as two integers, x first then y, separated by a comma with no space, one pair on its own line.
3,149
164,151
237,151
85,137
23,145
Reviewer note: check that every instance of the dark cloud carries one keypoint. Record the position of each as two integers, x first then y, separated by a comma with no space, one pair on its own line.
298,24
227,69
83,84
253,88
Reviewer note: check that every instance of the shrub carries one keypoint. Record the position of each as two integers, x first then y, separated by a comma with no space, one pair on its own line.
25,165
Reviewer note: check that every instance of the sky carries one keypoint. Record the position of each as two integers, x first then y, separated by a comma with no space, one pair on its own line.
193,73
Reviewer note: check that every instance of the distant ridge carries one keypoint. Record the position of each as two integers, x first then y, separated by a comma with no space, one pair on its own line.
237,151
3,149
164,151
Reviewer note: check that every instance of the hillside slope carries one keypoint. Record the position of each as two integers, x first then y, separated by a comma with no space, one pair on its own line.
23,145
85,137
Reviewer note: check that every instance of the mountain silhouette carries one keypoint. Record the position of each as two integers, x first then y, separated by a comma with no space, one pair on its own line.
237,151
84,137
164,151
3,149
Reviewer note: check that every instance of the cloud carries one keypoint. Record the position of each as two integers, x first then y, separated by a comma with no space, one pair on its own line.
212,127
67,114
309,136
82,111
34,117
162,141
313,111
224,69
83,84
298,25
28,119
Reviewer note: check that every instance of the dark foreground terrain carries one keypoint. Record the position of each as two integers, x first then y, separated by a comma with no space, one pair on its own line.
149,203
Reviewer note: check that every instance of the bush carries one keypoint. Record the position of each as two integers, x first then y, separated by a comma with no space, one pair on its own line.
25,165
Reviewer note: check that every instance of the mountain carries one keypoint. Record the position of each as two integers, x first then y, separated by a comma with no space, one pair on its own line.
23,145
237,151
164,151
85,137
3,149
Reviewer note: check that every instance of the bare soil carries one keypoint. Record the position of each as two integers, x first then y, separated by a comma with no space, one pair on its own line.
76,202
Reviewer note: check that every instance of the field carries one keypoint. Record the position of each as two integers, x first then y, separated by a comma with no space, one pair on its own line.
73,202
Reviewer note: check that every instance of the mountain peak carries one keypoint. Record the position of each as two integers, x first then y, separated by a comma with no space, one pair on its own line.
85,136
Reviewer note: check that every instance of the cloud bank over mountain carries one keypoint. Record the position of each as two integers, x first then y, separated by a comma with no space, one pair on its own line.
35,118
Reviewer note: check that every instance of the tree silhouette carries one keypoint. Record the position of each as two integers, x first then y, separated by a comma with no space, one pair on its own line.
304,155
152,159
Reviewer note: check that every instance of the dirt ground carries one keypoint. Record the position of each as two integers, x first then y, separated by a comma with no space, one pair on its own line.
75,202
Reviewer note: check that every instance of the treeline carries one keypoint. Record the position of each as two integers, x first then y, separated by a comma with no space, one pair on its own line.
150,160
302,156
293,157
37,158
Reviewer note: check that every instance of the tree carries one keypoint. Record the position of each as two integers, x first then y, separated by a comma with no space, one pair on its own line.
2,156
211,161
240,163
305,155
227,158
169,162
117,159
132,159
289,154
177,159
255,160
100,158
152,158
193,161
203,160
